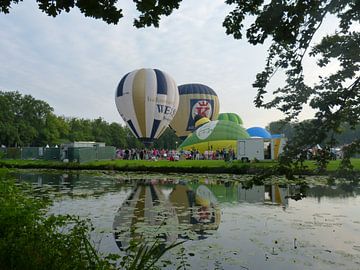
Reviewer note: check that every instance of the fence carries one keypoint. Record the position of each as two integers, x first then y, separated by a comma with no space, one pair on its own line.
85,154
52,153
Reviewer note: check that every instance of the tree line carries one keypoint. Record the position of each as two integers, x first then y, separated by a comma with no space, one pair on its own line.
26,121
346,134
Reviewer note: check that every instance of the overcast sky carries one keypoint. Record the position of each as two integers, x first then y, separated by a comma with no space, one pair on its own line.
75,63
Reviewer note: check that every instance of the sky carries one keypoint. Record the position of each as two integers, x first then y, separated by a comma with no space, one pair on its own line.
74,63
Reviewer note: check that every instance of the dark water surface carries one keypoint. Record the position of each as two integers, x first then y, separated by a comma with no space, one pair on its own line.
226,225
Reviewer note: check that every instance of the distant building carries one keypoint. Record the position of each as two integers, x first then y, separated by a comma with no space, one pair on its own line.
86,151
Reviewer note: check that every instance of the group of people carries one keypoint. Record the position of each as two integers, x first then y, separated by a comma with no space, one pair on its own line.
146,154
173,155
219,154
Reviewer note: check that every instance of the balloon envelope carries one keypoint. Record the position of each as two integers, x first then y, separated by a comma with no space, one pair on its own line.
215,135
233,117
195,99
147,100
259,132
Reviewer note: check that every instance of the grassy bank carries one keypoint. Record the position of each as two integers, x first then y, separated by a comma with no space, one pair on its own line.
164,166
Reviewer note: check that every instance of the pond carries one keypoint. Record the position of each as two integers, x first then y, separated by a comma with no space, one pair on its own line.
226,224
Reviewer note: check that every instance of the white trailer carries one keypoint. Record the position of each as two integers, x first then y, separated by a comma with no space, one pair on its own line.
249,149
260,148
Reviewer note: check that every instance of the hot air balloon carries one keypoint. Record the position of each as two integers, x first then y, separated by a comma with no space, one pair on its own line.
215,135
233,117
259,132
198,208
143,209
147,100
195,99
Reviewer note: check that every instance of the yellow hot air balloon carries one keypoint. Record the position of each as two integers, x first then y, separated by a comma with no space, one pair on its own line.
147,100
195,99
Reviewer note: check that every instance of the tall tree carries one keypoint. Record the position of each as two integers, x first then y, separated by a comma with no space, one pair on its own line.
117,135
22,118
80,129
282,127
106,10
167,140
290,26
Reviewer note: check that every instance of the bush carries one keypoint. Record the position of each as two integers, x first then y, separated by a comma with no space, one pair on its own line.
30,239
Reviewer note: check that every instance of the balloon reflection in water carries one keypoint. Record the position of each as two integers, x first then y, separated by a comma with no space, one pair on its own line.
200,209
147,214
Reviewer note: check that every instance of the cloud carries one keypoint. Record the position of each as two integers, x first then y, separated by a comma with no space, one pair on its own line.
75,63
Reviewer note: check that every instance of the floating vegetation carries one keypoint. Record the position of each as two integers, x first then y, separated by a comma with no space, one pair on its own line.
237,224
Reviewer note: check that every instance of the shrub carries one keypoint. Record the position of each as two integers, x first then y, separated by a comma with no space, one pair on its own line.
30,239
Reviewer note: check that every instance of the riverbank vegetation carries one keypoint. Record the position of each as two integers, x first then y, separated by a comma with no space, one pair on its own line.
183,166
32,239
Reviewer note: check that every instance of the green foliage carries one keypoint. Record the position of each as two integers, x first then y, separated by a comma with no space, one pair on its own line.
344,135
106,10
99,9
30,239
26,121
146,256
291,27
23,119
167,140
306,134
152,10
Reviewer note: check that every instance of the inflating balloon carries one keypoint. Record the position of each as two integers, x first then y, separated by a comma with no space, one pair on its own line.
215,135
147,100
233,117
195,99
259,132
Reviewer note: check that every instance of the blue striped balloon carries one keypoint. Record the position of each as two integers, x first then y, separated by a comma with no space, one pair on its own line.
147,100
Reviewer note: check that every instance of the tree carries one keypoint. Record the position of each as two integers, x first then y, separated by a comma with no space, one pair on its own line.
80,129
346,136
132,141
282,127
291,26
150,10
167,140
117,135
22,119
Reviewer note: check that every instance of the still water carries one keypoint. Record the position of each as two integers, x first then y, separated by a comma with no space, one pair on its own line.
226,224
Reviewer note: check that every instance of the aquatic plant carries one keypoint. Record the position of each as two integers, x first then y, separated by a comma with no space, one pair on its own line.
32,239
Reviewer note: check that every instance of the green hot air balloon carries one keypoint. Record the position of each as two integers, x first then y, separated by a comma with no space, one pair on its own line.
233,117
215,135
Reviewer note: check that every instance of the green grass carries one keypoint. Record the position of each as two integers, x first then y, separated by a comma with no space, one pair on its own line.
165,166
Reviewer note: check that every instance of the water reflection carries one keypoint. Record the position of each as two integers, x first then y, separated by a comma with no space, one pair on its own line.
173,209
39,180
224,191
244,224
148,213
267,194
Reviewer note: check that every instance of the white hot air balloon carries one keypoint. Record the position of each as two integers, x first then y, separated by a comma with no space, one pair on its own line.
147,100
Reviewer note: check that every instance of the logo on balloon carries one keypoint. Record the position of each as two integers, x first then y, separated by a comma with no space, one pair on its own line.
167,111
204,131
203,108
